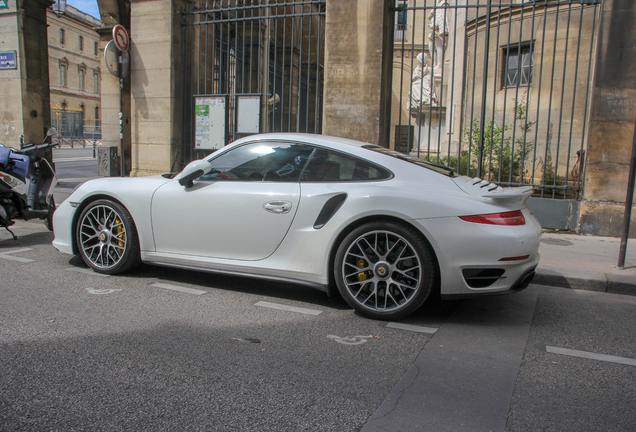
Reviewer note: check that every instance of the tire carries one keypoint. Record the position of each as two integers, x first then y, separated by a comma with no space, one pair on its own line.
48,221
107,238
385,270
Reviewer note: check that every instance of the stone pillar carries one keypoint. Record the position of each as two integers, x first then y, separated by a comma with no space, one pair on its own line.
353,69
613,119
109,87
155,34
25,103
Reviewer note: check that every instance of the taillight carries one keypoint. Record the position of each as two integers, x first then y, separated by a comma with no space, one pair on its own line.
507,218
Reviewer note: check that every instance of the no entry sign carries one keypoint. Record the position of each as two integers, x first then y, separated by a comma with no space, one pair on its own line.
120,37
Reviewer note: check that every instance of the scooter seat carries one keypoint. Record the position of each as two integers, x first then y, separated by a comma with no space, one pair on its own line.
14,163
4,157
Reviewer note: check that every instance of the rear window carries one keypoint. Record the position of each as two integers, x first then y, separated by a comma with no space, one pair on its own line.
412,159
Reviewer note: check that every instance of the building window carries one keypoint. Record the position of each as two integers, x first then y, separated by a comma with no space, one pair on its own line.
96,113
96,47
82,72
518,66
61,36
96,81
401,17
80,43
63,75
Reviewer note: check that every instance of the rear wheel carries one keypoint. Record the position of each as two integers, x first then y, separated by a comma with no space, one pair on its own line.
385,270
107,238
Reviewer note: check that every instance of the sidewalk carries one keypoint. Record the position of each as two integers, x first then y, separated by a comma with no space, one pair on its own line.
585,262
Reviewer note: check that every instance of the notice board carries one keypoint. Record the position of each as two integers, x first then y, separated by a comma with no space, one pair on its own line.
210,130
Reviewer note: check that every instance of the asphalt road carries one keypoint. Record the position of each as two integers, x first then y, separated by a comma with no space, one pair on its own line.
164,349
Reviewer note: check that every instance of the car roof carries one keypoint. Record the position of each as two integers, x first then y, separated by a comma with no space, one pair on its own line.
309,138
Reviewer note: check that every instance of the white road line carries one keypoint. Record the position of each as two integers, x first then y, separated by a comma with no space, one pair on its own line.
178,288
591,355
288,308
413,328
5,255
87,271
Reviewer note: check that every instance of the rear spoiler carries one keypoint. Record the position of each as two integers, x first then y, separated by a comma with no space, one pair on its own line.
487,189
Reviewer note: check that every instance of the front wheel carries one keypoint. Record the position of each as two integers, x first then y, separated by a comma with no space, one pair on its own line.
385,270
107,239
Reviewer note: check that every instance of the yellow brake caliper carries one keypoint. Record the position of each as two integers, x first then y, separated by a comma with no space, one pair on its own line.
362,276
120,233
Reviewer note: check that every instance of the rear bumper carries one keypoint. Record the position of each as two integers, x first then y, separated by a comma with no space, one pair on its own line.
470,252
521,284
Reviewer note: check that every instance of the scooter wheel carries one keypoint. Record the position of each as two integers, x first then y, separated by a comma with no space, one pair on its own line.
48,222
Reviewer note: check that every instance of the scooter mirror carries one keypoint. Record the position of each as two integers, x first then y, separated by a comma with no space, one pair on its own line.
51,131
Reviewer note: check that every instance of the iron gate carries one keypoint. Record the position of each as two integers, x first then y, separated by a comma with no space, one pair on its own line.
266,54
496,89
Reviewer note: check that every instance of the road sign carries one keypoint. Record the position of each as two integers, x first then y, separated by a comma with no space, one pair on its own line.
120,37
111,58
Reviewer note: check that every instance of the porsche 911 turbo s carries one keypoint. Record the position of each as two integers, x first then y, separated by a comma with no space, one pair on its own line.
383,228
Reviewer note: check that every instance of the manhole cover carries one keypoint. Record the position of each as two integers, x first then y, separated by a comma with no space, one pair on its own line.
556,242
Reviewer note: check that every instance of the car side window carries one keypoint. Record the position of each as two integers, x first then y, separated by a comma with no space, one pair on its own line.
261,161
329,166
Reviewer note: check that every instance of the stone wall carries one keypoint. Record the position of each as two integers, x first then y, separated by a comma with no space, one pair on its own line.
612,123
24,106
353,69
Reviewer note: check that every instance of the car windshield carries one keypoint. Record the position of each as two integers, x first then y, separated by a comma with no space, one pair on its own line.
412,159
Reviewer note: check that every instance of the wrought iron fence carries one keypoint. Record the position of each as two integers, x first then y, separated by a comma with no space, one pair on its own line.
497,89
265,55
72,129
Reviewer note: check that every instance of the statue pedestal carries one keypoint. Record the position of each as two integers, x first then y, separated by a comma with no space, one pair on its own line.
430,131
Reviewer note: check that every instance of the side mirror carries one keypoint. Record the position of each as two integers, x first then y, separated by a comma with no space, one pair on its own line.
193,171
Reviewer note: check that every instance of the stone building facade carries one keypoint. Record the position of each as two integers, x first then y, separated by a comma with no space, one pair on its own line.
75,73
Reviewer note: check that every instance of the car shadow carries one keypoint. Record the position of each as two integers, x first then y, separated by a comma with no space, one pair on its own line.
209,280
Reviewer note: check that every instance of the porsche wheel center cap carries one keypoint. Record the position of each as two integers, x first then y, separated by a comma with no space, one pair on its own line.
103,236
382,270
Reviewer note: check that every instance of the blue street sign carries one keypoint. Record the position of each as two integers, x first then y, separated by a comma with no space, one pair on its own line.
7,60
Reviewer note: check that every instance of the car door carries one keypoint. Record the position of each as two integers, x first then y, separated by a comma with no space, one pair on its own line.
241,210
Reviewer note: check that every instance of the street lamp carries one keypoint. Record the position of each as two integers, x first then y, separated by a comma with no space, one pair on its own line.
59,7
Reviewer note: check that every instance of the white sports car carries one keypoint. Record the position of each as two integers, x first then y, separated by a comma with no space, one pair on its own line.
384,228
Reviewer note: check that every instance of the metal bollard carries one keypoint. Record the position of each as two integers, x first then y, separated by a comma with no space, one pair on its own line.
93,149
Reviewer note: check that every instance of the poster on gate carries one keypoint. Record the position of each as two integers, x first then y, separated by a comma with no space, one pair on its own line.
210,122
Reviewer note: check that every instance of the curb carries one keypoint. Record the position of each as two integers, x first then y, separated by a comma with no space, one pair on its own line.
602,282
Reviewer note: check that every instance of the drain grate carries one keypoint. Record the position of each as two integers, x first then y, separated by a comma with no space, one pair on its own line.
556,242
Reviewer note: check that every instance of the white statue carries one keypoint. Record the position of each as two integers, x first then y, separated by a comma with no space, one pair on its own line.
422,92
438,32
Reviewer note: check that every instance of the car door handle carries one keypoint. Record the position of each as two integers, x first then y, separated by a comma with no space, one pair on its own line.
278,207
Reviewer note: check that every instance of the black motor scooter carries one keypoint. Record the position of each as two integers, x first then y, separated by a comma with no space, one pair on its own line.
27,180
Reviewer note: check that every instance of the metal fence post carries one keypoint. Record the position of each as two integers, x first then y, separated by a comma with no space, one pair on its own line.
629,199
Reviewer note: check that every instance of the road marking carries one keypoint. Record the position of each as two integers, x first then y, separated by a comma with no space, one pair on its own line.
591,355
288,308
101,291
413,328
178,288
87,271
5,255
354,340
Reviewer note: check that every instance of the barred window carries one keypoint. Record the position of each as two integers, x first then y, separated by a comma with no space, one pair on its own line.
518,66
